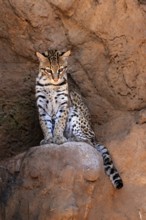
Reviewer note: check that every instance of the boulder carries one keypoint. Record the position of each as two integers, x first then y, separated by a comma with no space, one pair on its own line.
51,182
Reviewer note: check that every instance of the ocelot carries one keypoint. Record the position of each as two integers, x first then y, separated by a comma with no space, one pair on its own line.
62,113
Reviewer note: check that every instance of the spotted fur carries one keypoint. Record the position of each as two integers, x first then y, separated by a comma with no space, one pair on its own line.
62,113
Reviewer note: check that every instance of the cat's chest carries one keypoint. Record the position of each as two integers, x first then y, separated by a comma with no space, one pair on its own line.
56,99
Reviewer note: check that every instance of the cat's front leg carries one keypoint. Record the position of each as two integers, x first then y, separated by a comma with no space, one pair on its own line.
46,125
45,122
60,124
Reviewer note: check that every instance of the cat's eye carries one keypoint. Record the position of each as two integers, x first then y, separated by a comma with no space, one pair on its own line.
49,71
61,70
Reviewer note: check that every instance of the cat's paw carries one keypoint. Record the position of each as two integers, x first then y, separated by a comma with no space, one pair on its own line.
46,141
59,139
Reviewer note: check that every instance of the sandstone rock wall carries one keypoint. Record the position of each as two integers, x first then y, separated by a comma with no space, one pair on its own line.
108,43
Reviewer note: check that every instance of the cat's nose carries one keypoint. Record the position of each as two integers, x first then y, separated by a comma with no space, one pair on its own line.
55,79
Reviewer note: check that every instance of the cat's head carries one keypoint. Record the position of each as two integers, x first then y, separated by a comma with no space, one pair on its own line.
53,66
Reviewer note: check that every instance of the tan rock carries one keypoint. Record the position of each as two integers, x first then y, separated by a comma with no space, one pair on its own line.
141,119
54,182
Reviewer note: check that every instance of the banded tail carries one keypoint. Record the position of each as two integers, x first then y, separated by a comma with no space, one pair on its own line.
109,167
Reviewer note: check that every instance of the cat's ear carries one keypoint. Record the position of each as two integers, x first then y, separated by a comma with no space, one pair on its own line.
66,55
41,57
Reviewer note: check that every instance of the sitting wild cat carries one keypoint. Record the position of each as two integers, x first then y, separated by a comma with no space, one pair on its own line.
62,113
